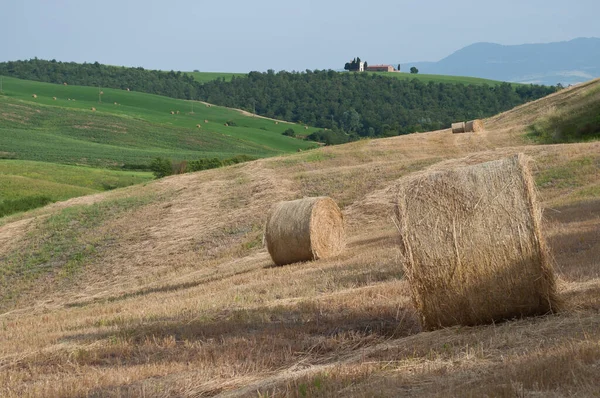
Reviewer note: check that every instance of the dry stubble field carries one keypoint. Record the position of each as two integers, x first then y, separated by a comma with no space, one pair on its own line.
166,289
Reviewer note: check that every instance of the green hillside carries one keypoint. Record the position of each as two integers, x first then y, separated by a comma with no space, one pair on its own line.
23,178
441,78
203,77
136,129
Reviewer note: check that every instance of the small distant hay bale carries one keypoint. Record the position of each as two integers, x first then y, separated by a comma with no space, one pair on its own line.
304,230
199,126
474,126
172,113
65,84
68,99
226,125
93,108
127,88
116,103
305,127
205,121
101,92
473,249
177,112
34,95
54,98
73,99
458,127
299,150
276,122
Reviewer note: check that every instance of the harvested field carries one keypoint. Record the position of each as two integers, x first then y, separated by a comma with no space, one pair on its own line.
167,290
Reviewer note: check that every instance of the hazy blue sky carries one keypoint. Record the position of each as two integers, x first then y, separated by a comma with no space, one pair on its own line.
241,36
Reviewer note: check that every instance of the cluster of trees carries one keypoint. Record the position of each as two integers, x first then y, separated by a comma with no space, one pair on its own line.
365,105
354,65
348,105
162,167
171,84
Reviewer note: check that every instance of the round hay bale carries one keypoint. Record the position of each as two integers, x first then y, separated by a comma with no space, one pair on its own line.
472,245
172,113
65,83
93,108
226,125
127,89
101,92
276,122
116,103
304,230
474,126
205,121
34,95
305,127
458,127
199,126
54,98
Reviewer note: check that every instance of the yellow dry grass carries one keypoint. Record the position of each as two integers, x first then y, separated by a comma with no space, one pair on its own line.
180,298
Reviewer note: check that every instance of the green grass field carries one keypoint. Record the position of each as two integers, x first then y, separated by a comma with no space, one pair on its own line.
203,77
23,178
61,148
441,78
134,131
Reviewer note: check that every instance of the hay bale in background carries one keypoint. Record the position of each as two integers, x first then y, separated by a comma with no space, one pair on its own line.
304,229
93,108
473,250
199,126
54,98
474,126
458,127
65,83
172,113
34,95
205,121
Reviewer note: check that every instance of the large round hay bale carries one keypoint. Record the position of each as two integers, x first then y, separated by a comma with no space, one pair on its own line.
458,127
474,126
304,230
473,249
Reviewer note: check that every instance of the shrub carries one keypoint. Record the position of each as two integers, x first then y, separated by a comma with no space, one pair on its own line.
289,132
161,167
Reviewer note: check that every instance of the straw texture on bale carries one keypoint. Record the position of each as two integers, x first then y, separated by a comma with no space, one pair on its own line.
474,126
472,245
458,127
304,230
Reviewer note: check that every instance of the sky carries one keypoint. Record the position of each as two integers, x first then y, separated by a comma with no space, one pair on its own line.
241,36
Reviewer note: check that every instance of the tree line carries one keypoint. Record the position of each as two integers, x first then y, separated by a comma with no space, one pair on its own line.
358,105
346,106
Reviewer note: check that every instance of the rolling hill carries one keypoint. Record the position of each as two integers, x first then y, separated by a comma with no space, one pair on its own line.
569,62
61,148
165,289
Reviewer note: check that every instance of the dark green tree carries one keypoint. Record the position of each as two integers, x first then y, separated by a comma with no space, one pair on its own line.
161,167
414,70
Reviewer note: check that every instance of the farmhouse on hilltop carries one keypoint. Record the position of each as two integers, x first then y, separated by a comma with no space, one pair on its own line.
380,68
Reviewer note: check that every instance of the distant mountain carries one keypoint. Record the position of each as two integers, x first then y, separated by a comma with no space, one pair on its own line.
568,62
